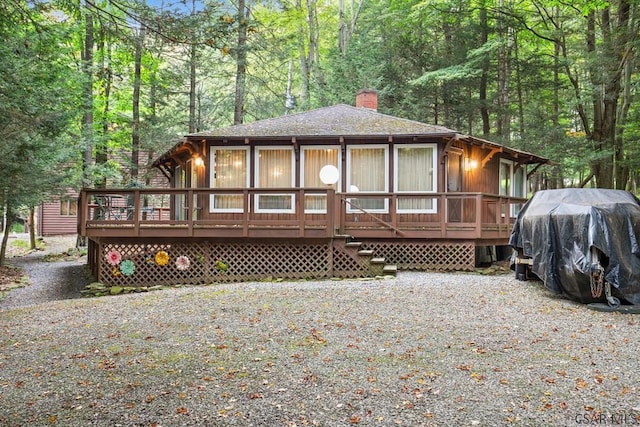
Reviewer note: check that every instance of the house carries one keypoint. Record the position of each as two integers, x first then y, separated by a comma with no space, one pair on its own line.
338,191
58,216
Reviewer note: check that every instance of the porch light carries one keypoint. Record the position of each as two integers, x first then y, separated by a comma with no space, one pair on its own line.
470,164
329,174
199,161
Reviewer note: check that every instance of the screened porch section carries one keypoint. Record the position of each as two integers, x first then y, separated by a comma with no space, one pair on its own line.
365,168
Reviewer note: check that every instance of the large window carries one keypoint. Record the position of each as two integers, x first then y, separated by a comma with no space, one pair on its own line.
367,172
229,166
313,160
274,169
415,172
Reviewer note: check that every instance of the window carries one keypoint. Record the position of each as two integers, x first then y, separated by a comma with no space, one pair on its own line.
68,207
179,205
313,159
274,169
367,172
229,166
513,183
415,172
505,177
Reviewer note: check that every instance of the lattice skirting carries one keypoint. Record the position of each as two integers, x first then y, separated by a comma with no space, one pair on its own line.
200,262
421,255
138,263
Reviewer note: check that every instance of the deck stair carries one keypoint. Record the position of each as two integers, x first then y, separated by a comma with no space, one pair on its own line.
362,262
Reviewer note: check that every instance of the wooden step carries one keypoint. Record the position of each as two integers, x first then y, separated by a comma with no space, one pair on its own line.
365,252
390,270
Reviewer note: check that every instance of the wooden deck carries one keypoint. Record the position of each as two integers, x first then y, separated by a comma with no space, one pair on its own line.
189,213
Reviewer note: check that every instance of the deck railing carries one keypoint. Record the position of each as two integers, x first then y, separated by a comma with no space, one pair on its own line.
294,213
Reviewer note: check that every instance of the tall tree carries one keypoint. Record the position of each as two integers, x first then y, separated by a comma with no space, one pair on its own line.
87,117
241,62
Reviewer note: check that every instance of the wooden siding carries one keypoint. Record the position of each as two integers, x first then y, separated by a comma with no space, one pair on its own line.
50,222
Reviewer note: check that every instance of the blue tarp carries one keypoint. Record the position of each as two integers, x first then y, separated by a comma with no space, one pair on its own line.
558,230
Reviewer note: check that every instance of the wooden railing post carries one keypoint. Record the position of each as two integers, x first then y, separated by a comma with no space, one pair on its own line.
136,212
479,201
442,212
300,211
331,206
246,211
190,211
83,208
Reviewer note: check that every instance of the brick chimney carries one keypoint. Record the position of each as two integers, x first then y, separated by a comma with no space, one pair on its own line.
367,98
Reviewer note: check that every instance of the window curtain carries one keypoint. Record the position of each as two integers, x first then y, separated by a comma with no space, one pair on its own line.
230,171
414,175
275,171
314,160
367,174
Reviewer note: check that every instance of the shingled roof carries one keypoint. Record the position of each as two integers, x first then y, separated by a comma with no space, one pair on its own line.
337,120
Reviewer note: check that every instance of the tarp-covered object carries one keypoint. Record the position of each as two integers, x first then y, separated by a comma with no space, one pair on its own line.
569,233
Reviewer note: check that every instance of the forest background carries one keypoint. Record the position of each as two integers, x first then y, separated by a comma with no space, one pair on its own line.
91,91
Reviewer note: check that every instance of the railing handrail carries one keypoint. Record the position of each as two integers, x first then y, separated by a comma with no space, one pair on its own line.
370,214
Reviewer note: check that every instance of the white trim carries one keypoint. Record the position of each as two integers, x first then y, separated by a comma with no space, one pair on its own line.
257,179
212,169
434,179
302,170
385,209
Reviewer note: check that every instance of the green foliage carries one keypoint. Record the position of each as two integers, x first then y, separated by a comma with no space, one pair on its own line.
37,103
427,59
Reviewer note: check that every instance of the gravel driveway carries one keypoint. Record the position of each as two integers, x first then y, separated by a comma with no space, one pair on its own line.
422,349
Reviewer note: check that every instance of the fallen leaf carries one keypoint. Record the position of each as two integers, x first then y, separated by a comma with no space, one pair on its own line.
182,410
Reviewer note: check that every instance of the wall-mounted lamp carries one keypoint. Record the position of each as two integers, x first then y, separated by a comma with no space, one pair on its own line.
199,162
329,174
470,164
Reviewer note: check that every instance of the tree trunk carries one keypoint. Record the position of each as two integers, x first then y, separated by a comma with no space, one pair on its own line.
342,28
32,227
484,109
192,88
106,79
241,63
6,227
87,116
135,128
503,122
606,79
